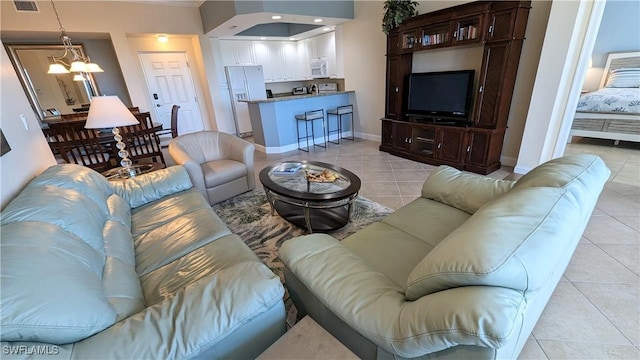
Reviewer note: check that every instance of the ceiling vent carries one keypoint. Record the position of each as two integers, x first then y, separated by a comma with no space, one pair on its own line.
29,6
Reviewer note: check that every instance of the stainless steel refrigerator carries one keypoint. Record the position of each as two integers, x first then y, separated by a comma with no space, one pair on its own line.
245,83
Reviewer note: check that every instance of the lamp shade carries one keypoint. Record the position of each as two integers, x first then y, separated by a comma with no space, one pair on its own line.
93,67
57,69
78,66
108,112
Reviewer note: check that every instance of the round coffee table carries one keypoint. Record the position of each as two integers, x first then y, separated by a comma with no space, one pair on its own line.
318,206
118,173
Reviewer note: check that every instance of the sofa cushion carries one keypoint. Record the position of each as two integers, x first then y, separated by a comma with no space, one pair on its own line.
568,171
222,171
467,192
51,284
172,227
427,220
389,250
513,242
209,259
152,186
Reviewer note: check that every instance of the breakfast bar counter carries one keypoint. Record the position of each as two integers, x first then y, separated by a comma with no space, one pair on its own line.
273,119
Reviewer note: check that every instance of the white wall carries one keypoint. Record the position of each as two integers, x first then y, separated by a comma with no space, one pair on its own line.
29,154
364,47
569,40
619,31
122,22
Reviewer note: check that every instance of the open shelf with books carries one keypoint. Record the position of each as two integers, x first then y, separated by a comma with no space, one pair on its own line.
437,34
468,30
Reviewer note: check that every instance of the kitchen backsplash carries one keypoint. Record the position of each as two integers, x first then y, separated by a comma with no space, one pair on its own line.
287,87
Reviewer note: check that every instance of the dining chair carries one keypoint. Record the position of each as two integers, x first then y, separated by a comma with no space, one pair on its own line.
142,140
173,131
74,144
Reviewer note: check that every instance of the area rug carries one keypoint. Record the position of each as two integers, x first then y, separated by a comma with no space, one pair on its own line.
249,216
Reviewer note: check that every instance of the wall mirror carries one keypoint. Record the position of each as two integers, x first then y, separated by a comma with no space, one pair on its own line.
50,94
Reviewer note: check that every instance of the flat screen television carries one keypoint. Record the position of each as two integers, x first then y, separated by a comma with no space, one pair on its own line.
441,96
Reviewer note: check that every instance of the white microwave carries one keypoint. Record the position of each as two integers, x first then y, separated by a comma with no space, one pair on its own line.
319,68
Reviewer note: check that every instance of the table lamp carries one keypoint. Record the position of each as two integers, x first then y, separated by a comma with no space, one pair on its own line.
109,112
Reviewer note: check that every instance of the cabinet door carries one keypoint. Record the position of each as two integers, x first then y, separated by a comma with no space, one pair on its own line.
423,140
401,136
290,65
489,92
237,52
304,59
485,148
276,56
263,57
387,133
501,25
468,30
228,50
244,53
398,68
409,40
451,144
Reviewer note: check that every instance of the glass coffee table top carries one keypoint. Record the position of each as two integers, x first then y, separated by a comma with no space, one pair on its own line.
310,178
311,194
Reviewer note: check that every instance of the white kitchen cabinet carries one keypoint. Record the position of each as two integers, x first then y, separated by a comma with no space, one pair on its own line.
263,57
237,52
323,47
278,58
290,64
304,59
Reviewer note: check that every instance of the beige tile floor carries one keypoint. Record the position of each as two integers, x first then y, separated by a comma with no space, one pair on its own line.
595,311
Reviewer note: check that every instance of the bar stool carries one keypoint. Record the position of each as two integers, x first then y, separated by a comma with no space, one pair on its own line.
338,112
308,118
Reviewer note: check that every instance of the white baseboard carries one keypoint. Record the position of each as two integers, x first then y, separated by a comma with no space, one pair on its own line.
518,169
291,147
366,136
508,161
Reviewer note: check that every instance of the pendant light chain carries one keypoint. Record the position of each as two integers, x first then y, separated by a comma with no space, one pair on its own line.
58,17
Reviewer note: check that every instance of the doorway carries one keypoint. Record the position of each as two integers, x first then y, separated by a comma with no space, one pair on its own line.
169,83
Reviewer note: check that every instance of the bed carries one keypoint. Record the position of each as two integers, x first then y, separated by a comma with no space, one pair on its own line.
613,111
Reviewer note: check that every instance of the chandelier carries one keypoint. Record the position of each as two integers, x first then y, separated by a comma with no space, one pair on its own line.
79,63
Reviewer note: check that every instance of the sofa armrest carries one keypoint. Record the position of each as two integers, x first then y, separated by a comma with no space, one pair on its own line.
375,307
193,320
155,185
465,191
242,151
181,157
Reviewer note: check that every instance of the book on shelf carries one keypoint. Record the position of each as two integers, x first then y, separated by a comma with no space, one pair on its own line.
289,168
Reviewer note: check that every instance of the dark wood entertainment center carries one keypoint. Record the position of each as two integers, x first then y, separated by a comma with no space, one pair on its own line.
499,26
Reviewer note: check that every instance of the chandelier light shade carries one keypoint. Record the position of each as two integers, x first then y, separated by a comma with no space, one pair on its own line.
57,69
109,112
79,62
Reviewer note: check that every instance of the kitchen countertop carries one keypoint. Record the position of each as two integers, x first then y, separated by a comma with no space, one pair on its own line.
295,97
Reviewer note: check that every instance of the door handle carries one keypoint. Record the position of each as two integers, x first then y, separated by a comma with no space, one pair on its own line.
158,105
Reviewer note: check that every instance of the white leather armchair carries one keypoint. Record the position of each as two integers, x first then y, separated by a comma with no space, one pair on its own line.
220,165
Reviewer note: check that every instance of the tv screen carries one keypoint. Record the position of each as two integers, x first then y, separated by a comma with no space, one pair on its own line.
445,94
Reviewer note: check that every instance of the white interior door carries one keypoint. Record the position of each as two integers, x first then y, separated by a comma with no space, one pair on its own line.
170,83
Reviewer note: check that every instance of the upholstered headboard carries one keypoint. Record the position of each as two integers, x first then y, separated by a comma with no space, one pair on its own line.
618,61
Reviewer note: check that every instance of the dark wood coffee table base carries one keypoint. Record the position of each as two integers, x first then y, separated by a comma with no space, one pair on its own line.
319,220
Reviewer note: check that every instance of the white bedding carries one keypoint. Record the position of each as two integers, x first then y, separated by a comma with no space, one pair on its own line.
611,100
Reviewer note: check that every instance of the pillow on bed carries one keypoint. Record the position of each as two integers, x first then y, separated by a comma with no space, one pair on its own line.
624,78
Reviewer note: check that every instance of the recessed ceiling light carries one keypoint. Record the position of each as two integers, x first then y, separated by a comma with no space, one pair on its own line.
326,29
276,17
292,38
162,38
317,20
263,38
